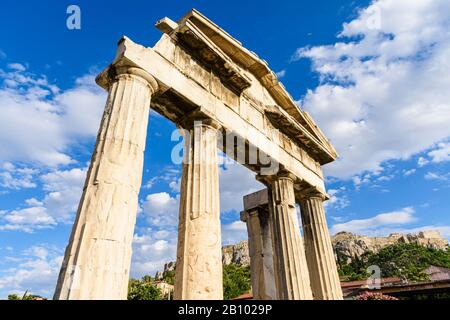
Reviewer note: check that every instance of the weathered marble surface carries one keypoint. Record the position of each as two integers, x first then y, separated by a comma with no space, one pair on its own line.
199,254
291,269
322,267
97,260
261,253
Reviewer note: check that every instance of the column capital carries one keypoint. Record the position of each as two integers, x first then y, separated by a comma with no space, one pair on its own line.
244,216
197,118
313,192
138,72
281,174
114,72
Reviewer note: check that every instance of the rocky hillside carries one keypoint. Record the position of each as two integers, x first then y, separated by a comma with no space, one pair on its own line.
349,245
237,253
345,244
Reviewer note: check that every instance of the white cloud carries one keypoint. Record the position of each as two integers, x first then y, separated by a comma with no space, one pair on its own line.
33,202
408,172
234,232
171,176
27,219
436,176
161,209
151,250
440,154
338,199
236,181
175,185
12,177
382,220
384,92
39,122
34,270
63,187
422,162
281,73
17,66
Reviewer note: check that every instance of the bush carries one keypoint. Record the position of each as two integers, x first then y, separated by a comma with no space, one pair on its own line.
25,296
143,290
236,281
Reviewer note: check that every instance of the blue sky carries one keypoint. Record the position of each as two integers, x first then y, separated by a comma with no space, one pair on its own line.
374,76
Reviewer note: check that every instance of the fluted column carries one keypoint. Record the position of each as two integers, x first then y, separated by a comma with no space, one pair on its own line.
291,270
321,261
261,254
97,260
199,253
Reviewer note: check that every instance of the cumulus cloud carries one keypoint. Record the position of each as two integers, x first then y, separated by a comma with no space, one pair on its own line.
234,232
27,219
34,270
384,87
13,177
161,209
372,225
338,199
151,250
63,191
64,188
236,181
441,153
39,122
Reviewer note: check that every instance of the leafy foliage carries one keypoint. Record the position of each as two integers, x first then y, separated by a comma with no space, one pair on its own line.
143,290
236,280
25,296
404,260
169,277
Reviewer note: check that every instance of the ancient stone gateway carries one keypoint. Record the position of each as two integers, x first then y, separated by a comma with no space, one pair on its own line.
222,96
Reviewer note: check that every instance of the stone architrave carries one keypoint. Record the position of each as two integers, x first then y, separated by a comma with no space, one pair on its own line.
198,274
291,269
97,260
325,281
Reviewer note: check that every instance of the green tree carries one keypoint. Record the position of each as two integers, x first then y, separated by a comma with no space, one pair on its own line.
169,277
25,296
236,280
404,260
143,290
147,278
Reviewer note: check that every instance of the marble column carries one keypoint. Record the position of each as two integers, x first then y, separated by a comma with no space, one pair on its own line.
291,270
97,260
261,253
321,261
199,253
